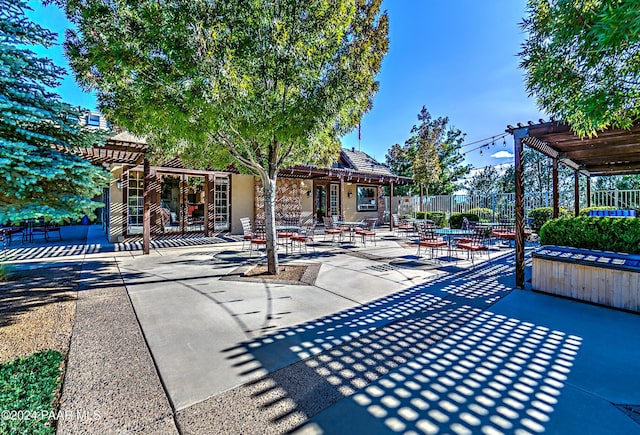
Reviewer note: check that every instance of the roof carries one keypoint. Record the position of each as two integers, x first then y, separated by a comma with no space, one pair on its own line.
362,162
358,166
611,152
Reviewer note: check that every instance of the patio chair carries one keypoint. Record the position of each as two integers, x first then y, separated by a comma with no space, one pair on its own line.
337,218
465,226
428,239
303,238
246,230
259,239
332,230
368,230
400,225
476,244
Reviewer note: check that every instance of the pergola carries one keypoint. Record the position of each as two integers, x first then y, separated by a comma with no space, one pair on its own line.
611,152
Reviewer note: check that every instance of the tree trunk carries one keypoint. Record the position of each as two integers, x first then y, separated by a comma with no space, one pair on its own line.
270,223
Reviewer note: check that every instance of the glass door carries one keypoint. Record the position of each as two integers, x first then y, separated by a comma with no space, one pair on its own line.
221,204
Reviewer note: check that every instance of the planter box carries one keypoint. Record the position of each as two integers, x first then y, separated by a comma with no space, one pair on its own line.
606,278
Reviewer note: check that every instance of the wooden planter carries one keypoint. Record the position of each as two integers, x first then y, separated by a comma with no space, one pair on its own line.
600,277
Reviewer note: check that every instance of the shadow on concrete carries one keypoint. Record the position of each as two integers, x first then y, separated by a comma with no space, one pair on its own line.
429,358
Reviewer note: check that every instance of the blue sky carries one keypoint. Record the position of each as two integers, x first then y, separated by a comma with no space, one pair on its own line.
457,58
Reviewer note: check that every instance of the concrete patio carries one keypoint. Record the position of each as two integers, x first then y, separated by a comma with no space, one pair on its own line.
383,342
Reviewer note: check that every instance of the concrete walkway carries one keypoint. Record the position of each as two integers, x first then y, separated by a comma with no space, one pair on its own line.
382,342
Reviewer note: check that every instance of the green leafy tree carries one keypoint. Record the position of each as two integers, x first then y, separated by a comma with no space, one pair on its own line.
581,61
507,181
484,182
431,155
261,84
400,161
619,182
39,178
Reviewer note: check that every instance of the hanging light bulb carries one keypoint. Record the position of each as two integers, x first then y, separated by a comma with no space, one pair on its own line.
504,141
493,142
480,151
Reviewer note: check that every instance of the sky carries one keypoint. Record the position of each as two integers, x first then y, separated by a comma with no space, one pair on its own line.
457,58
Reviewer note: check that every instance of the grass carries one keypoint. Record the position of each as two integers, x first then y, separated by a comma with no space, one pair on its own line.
27,391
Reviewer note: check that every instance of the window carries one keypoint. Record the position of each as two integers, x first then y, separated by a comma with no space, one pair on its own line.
367,198
93,120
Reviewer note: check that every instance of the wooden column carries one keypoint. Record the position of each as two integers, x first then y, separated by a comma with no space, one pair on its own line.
556,190
341,199
146,208
576,193
589,191
519,207
207,200
391,206
421,197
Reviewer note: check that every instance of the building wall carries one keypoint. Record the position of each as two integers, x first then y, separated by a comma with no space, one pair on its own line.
242,200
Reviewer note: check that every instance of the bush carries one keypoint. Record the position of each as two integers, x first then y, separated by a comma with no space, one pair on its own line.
484,214
438,217
602,233
539,216
585,211
455,220
28,385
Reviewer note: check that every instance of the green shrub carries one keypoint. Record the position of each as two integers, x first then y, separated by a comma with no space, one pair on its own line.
28,385
455,220
484,214
438,217
585,211
539,216
602,233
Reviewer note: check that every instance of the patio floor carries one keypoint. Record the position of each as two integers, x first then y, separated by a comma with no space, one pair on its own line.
383,342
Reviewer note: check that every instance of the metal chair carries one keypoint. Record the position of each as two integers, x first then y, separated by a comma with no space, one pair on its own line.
476,244
259,239
428,239
368,230
332,230
246,230
303,238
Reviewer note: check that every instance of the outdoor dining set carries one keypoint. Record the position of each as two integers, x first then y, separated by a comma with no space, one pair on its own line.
29,231
293,235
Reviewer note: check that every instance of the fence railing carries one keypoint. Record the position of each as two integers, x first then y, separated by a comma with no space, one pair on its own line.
502,205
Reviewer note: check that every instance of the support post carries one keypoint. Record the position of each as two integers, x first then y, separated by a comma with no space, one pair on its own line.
391,206
341,196
519,207
589,191
146,208
576,193
556,190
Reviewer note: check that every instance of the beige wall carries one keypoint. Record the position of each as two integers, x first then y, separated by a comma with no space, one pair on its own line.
242,200
116,207
306,200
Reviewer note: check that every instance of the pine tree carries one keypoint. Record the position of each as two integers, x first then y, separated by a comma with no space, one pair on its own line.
39,178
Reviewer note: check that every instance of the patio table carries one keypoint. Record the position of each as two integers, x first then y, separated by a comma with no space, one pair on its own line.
352,226
449,233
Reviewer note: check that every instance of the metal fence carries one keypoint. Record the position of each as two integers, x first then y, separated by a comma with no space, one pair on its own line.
502,205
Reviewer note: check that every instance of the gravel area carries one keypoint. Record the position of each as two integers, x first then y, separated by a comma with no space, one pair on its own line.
37,308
